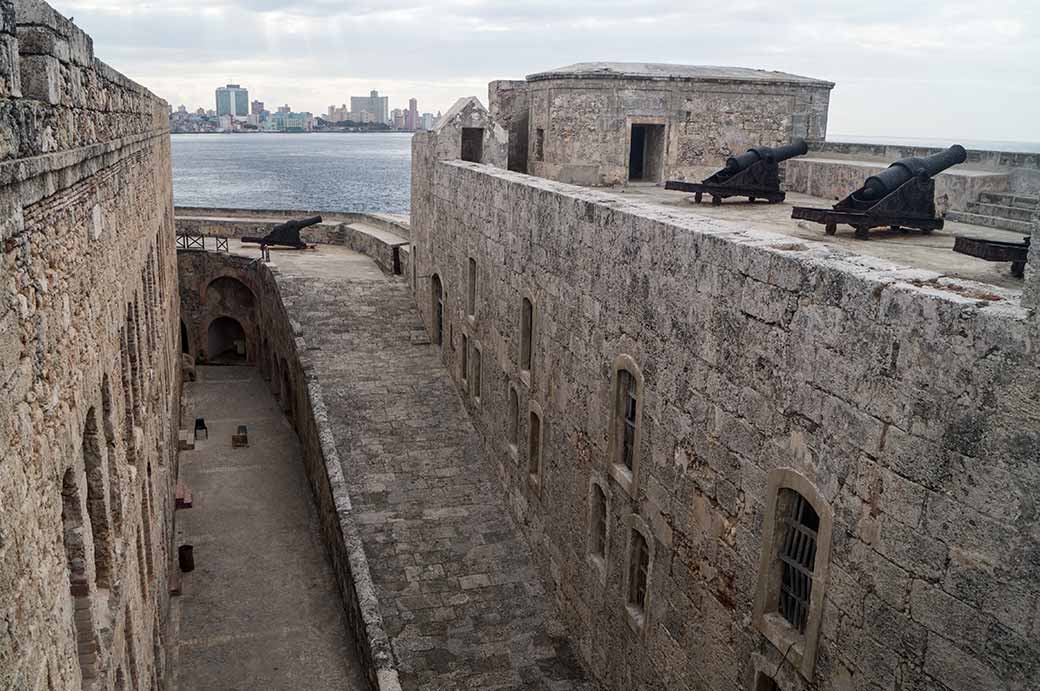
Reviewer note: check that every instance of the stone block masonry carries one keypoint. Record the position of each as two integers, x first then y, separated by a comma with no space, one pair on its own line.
902,406
436,579
89,369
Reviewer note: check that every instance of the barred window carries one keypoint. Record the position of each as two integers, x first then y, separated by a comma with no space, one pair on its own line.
640,566
798,556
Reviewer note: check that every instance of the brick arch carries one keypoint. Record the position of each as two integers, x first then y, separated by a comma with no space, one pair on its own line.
232,273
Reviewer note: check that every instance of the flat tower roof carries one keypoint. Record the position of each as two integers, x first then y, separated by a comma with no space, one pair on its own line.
665,71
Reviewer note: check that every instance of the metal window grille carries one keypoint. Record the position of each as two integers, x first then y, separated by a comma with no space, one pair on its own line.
640,567
627,402
798,556
599,532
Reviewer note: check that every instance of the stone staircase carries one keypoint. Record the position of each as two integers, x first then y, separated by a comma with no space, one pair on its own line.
999,210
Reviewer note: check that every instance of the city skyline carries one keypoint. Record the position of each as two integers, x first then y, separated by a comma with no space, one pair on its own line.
965,61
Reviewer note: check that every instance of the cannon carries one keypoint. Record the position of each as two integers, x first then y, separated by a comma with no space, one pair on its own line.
901,197
754,174
286,234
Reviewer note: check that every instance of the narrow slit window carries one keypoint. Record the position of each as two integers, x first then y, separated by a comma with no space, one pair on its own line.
437,291
599,522
534,460
640,567
798,556
471,294
475,376
514,417
465,357
526,327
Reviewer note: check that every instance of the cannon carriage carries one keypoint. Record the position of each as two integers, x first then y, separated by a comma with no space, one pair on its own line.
900,197
754,174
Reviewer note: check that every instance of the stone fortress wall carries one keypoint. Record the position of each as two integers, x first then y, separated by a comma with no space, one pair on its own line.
900,404
89,371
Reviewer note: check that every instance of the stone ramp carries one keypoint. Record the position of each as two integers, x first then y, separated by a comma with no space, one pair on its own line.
460,601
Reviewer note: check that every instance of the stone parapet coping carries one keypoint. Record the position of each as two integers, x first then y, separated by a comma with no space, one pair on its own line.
22,169
757,248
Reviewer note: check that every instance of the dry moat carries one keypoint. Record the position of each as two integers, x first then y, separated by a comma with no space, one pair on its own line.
559,428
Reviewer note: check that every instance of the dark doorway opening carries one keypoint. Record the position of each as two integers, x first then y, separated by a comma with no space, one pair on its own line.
646,153
227,342
472,144
184,338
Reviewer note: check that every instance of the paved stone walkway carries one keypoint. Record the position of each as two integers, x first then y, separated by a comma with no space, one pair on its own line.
461,603
262,609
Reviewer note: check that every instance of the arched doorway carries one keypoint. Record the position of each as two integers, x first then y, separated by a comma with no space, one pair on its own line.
227,342
437,304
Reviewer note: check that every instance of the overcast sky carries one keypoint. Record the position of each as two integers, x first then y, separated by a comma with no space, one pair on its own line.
921,68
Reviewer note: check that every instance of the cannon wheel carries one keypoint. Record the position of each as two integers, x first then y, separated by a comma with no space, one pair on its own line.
716,200
697,197
831,228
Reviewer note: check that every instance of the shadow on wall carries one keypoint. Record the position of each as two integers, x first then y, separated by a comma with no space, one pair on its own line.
226,342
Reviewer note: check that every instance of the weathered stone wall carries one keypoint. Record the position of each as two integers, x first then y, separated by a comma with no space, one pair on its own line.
586,124
89,372
282,356
908,402
836,179
509,107
1023,168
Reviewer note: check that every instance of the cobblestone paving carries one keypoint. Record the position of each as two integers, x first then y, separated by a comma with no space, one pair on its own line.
461,603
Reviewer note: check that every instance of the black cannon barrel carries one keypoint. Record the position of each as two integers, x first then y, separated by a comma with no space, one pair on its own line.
301,223
890,179
735,164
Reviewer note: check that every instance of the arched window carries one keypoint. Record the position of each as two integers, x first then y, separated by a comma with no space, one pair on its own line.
793,567
626,415
639,572
437,305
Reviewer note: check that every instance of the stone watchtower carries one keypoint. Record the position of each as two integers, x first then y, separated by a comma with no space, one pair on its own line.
611,123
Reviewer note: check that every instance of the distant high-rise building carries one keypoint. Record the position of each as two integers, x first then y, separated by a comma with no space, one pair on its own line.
339,113
284,109
378,107
233,100
411,117
428,121
397,119
256,108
